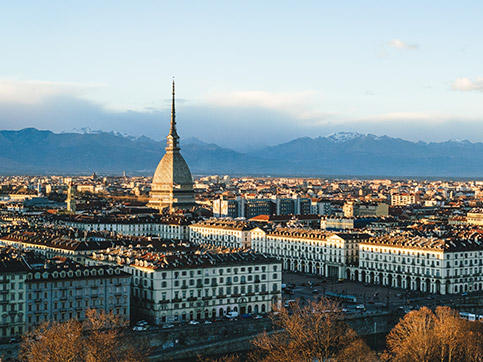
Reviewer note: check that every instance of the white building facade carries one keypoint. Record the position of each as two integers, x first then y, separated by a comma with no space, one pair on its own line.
310,251
222,232
174,288
421,264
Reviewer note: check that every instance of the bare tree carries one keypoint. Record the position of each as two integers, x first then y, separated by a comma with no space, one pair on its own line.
100,338
440,337
314,332
227,358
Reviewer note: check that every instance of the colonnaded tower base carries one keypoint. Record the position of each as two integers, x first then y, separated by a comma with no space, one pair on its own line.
172,187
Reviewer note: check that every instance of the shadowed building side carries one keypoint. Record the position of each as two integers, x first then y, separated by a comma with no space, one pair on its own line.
172,186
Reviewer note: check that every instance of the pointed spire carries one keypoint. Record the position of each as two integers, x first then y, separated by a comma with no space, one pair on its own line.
173,114
173,135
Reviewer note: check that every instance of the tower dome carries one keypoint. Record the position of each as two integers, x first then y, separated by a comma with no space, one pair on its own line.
172,185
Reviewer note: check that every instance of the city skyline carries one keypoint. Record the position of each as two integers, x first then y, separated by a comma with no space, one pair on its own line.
247,75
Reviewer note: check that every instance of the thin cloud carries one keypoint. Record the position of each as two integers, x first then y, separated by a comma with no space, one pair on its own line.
429,117
35,92
399,44
466,84
283,101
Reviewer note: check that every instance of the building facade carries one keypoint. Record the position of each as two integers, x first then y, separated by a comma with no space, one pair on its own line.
166,228
421,264
13,273
225,233
194,286
310,251
405,199
66,291
241,207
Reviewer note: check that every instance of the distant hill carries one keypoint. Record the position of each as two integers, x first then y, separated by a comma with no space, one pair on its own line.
356,154
30,151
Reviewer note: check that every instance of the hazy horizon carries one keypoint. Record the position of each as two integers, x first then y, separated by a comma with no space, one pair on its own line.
247,75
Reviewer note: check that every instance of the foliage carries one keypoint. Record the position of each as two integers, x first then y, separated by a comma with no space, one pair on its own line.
100,338
429,336
313,332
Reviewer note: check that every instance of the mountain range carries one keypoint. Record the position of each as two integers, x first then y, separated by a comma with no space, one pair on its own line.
31,151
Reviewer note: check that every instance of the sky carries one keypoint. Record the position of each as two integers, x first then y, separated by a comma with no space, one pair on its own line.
248,73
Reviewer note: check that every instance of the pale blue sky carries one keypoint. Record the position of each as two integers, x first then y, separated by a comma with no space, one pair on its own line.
247,72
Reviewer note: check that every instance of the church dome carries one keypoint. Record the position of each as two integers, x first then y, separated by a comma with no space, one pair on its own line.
172,169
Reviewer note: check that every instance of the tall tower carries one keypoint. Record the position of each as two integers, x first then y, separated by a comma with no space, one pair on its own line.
172,186
70,199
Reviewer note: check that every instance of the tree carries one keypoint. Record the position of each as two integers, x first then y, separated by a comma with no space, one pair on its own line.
439,336
314,332
100,338
227,358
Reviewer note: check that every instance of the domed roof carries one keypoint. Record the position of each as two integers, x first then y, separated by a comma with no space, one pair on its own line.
172,169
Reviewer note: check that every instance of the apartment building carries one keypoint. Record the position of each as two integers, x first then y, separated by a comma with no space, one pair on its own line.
172,287
310,251
171,227
443,266
222,232
64,290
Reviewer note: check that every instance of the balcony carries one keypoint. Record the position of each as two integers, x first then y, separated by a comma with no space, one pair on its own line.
206,298
192,299
221,296
164,301
275,291
176,300
236,295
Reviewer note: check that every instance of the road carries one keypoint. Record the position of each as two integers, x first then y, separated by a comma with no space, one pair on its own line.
373,297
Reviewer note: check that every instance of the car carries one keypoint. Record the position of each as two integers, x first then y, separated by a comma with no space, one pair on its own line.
208,322
360,306
13,340
142,323
165,326
139,328
258,316
193,323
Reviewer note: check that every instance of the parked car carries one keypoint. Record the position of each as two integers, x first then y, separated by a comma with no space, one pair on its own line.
231,315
